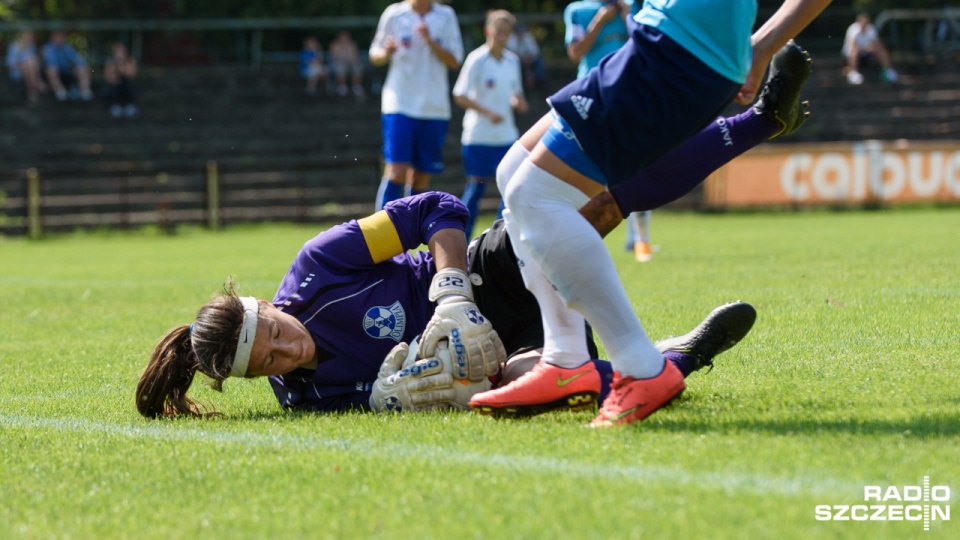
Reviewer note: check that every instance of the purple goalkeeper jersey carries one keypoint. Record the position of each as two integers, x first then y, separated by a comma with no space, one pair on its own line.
359,293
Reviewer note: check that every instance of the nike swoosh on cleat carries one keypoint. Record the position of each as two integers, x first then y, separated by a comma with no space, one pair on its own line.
563,382
627,412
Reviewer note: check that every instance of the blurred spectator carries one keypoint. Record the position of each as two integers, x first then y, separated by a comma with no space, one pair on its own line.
490,88
344,61
861,45
67,71
119,71
24,65
524,45
312,66
421,41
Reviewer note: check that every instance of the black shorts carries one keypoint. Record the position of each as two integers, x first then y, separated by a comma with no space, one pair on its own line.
503,298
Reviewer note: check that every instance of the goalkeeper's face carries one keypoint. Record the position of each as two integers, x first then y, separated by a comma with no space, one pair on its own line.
282,344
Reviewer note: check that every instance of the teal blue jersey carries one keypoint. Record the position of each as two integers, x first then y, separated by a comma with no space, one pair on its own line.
577,17
717,32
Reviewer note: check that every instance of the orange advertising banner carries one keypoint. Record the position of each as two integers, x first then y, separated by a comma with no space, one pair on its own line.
838,173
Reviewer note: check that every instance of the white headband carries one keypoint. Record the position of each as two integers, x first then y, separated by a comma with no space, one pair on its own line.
248,333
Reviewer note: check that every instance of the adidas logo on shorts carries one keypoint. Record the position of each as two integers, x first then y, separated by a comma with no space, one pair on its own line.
582,105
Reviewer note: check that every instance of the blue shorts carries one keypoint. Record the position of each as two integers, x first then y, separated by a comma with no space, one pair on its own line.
481,160
641,102
418,143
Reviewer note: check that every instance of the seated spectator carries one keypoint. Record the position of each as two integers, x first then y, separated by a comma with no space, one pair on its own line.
312,66
344,61
523,44
67,71
862,44
119,71
24,66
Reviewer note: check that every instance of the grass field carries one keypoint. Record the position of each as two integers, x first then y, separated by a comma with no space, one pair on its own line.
851,377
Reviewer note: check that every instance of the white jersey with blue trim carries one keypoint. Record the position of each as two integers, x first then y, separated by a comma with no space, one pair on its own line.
717,32
359,292
491,83
417,83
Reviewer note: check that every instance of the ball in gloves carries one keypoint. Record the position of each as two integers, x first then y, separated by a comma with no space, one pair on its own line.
464,388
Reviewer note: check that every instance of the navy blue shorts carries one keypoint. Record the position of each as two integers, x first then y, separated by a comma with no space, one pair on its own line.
416,142
641,102
481,160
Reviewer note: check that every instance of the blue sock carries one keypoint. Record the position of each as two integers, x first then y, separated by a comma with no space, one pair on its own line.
471,198
683,362
606,377
388,192
500,210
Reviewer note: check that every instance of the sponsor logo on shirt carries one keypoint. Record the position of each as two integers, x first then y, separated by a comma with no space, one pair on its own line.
381,322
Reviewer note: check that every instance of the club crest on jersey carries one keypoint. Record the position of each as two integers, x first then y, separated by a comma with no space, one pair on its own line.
490,83
385,322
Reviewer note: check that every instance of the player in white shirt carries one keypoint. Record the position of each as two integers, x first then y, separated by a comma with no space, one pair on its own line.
490,88
862,42
420,39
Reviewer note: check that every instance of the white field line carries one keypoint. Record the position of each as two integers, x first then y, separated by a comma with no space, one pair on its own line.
730,482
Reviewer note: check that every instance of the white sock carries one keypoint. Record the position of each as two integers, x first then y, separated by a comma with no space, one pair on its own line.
564,330
565,336
643,225
574,259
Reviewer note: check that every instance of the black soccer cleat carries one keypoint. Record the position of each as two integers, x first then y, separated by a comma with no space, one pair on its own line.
723,328
780,97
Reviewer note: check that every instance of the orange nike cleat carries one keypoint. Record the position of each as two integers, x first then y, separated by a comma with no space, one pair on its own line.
632,400
544,388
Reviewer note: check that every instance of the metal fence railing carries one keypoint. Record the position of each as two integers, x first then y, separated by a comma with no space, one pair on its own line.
930,30
34,202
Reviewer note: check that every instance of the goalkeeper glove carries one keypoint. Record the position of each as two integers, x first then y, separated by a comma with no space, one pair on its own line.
475,347
417,387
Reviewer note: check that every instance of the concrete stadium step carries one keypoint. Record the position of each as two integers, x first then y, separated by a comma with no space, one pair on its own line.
238,114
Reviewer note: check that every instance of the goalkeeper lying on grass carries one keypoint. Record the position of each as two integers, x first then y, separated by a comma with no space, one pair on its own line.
354,295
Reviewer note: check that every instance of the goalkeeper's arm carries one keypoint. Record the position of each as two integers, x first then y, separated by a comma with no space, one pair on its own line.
475,347
449,249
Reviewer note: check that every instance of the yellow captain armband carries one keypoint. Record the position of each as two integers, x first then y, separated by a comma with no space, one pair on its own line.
381,236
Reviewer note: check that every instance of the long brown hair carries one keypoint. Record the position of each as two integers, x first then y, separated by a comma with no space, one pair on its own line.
208,346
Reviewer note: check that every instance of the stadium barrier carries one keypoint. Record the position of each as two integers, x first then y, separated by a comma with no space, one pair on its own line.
868,173
865,174
34,202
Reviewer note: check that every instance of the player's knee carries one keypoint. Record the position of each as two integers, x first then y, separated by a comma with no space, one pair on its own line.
509,164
